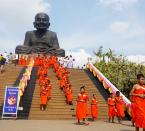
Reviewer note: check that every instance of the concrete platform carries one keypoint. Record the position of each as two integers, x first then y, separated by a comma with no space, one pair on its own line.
62,125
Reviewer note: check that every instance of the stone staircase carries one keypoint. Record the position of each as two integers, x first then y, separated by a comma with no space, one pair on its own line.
57,107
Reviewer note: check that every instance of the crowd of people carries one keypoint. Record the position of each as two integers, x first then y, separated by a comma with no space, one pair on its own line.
7,58
67,62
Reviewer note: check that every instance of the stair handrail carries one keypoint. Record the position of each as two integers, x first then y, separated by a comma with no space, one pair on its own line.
24,80
108,85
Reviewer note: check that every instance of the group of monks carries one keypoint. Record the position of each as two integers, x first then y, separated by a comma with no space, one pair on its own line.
82,106
24,60
63,75
115,107
44,63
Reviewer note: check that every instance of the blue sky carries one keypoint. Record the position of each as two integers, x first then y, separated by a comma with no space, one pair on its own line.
80,24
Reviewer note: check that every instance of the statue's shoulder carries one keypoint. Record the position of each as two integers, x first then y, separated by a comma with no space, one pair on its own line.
51,33
30,32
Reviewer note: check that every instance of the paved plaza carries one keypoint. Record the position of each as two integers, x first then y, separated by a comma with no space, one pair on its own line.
62,125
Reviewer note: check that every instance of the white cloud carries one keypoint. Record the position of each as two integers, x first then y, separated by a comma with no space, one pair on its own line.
137,31
119,26
139,59
17,17
117,4
81,57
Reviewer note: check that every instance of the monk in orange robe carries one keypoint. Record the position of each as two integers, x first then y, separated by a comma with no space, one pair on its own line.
59,73
24,61
81,107
48,91
69,95
40,71
43,98
138,94
20,60
111,108
62,82
36,60
66,73
56,66
119,106
94,107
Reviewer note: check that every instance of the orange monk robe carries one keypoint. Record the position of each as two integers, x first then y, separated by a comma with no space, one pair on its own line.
41,81
40,61
50,60
66,73
36,61
48,90
47,80
59,74
94,108
56,67
43,96
111,107
81,107
45,71
53,60
139,109
39,73
69,94
132,107
47,64
20,60
24,61
62,83
120,106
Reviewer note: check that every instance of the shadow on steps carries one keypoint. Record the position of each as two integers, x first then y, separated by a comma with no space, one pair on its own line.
98,84
26,99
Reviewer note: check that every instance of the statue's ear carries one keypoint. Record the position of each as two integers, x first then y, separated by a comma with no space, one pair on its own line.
34,24
48,24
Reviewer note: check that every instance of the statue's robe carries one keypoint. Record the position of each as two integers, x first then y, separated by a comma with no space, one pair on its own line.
45,43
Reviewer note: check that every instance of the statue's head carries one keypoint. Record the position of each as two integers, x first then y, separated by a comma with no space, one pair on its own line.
41,21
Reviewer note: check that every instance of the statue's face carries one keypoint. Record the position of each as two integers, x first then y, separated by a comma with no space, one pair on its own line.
41,21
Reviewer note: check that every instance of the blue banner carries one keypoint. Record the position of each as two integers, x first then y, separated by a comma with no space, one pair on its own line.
11,100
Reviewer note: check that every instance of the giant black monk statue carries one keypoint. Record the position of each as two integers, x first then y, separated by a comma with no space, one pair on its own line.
41,40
